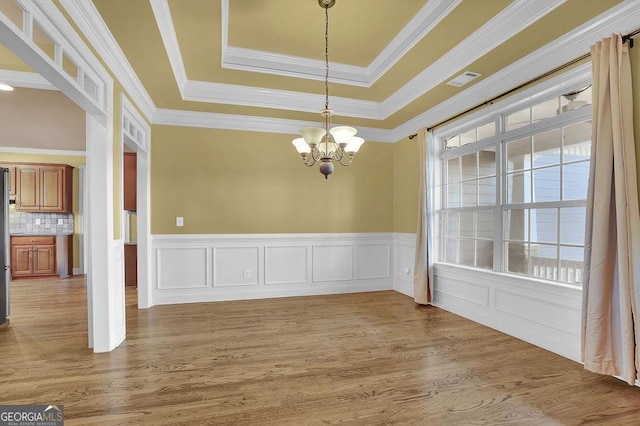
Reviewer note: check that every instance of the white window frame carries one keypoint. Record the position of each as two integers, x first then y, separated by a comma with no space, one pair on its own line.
571,80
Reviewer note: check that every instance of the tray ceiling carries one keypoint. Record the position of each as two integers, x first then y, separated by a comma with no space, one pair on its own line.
390,61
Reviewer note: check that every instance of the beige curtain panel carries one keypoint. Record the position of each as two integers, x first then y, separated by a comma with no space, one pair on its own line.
423,271
610,326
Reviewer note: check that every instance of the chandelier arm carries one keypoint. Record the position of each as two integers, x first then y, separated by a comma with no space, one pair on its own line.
349,160
309,161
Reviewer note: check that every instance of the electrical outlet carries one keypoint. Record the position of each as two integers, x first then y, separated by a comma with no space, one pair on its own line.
179,221
60,222
246,273
407,271
38,221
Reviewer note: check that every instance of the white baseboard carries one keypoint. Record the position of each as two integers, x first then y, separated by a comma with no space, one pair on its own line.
78,271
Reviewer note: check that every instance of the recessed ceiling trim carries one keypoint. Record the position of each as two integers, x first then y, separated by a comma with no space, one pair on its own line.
515,18
419,26
251,123
201,91
168,33
619,19
241,59
487,89
29,80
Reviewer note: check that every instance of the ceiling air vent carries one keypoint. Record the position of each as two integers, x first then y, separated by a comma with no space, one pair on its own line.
464,78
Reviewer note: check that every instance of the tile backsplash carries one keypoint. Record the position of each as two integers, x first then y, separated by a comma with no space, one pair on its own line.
25,223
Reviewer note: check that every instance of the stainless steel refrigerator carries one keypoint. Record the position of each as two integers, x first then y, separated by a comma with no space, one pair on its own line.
4,246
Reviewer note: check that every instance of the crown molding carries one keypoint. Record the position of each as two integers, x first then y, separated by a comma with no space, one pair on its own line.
253,124
86,16
420,25
515,18
260,61
29,80
42,151
201,91
294,66
621,18
168,33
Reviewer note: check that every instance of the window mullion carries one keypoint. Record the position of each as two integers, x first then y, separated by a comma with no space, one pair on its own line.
498,215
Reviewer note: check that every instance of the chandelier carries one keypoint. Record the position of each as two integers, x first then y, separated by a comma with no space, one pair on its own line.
325,144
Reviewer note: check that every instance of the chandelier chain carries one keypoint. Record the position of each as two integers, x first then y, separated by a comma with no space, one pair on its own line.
326,56
325,144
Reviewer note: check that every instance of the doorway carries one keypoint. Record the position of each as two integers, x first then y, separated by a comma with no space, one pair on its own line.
64,60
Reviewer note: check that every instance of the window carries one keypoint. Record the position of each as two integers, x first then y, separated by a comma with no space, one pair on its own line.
515,190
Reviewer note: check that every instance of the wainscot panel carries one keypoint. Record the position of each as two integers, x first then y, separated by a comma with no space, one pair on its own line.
285,265
404,253
181,267
234,266
374,261
118,304
539,312
332,262
204,268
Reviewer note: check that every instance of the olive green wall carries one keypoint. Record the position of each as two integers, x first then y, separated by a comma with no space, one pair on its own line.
405,185
72,160
234,182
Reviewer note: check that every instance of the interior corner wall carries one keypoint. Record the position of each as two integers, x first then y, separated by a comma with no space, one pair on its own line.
405,185
241,182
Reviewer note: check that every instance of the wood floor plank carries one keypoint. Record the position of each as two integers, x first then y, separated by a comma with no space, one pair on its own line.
369,358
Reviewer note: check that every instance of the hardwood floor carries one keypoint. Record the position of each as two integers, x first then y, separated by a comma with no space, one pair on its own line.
370,359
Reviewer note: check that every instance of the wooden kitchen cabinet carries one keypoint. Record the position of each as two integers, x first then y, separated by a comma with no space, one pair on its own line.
130,265
12,179
129,180
41,255
44,188
33,256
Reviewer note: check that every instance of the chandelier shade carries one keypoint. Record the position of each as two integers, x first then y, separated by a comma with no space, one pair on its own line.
313,135
301,146
354,144
343,134
326,144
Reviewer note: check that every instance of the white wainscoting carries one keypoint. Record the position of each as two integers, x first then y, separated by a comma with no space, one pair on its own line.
204,268
119,323
404,253
544,314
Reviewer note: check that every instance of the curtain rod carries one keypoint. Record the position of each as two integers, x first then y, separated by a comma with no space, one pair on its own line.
626,37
